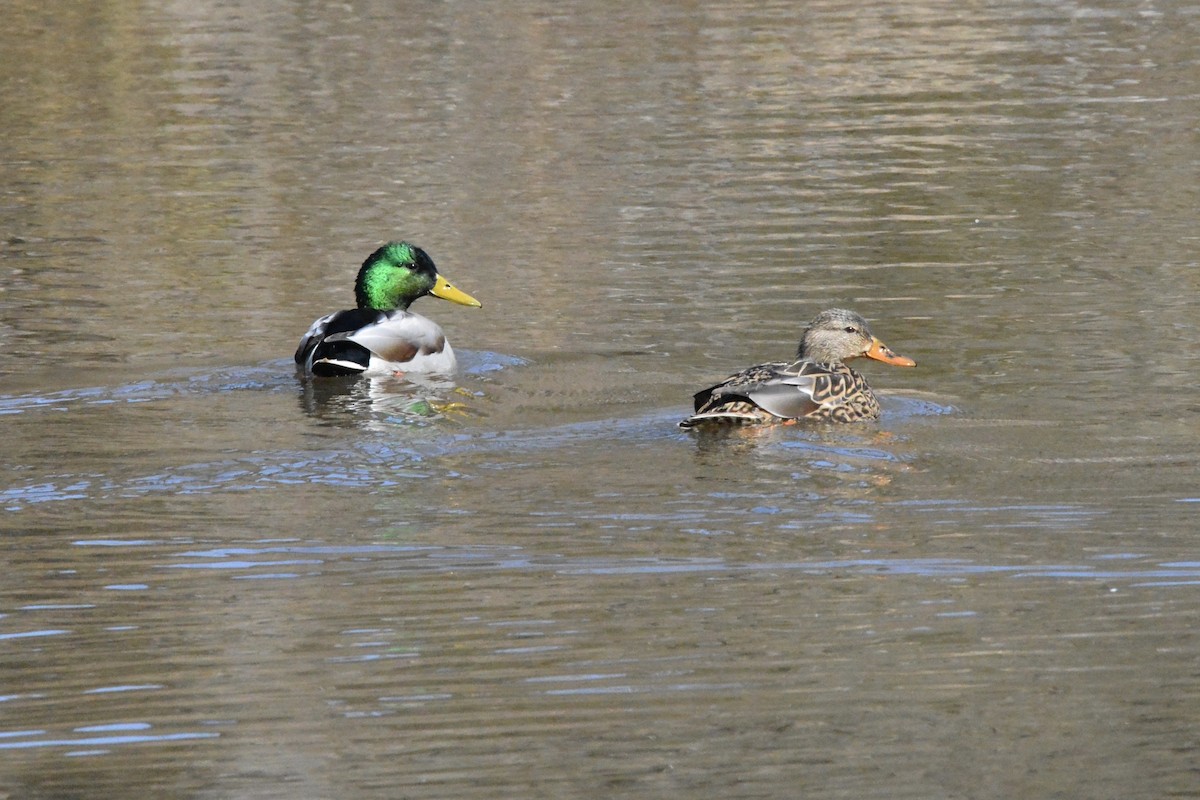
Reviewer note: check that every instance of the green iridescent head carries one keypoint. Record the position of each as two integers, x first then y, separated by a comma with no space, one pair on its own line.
397,274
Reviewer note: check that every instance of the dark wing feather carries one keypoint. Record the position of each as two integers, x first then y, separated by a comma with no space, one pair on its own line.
327,341
736,385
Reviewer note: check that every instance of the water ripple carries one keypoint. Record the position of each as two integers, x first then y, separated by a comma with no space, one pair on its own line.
104,741
409,558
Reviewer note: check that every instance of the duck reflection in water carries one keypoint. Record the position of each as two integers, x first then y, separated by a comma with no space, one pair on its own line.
370,402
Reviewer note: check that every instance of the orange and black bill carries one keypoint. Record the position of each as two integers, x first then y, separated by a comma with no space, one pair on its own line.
881,352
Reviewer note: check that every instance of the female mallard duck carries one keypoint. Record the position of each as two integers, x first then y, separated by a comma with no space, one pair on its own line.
817,385
381,336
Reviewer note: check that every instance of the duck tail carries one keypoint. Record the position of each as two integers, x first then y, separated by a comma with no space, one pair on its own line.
721,418
332,367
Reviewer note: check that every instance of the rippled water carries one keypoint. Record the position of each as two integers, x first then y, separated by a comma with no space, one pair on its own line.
222,580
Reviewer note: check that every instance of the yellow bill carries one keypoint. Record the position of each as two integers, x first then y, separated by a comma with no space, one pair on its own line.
446,291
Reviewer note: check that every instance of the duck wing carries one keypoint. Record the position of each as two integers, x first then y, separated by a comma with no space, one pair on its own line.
355,341
775,391
755,395
736,385
399,338
824,391
319,345
790,397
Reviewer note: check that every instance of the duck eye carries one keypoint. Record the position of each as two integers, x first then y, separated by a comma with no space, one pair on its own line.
851,329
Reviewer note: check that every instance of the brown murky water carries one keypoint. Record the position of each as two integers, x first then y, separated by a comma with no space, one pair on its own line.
221,581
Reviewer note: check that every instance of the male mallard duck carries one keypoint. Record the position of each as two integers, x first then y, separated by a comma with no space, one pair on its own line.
817,385
381,336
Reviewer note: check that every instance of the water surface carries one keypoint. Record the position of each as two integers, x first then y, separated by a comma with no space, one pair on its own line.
222,580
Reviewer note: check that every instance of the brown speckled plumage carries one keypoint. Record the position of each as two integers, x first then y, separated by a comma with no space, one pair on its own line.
817,385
